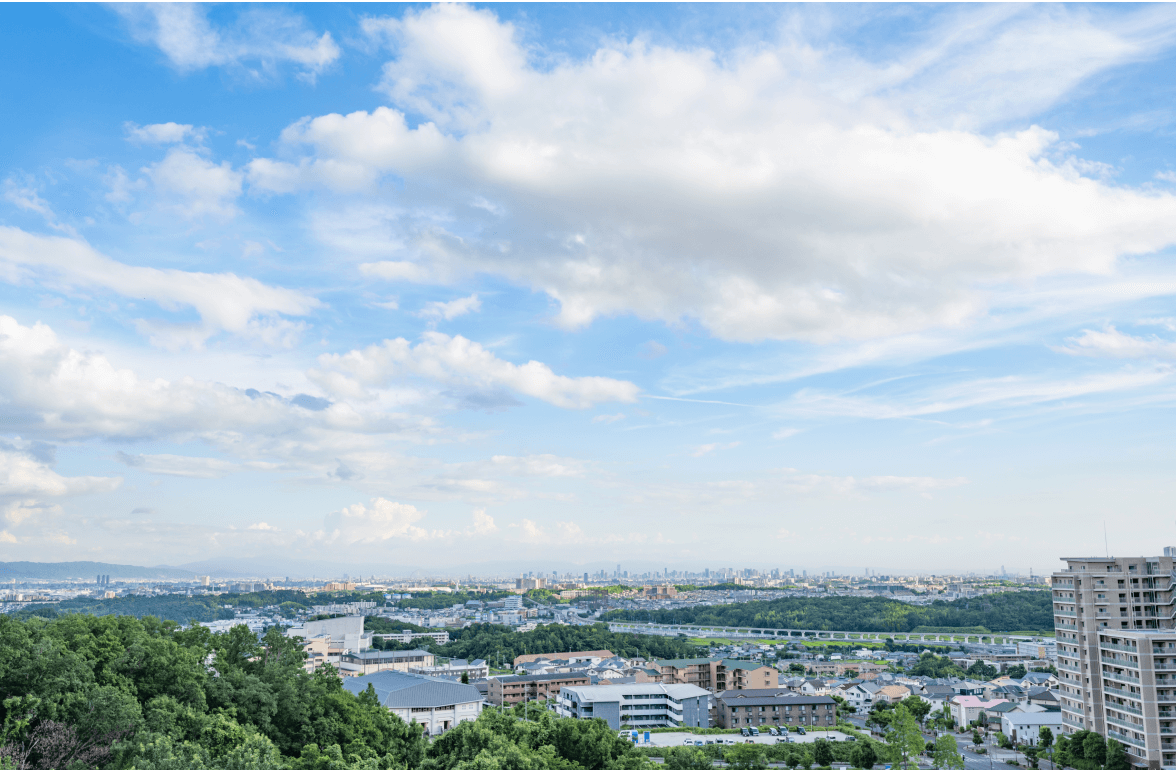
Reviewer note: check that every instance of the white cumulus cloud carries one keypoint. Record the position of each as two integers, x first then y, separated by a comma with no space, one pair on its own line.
162,133
460,361
748,192
378,521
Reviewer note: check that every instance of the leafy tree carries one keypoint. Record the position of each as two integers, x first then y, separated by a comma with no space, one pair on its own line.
465,677
863,755
904,735
1062,755
880,716
1116,756
938,666
1045,739
918,708
686,758
981,670
746,756
796,668
1016,672
1031,754
1000,612
976,739
946,754
1094,749
1002,740
822,752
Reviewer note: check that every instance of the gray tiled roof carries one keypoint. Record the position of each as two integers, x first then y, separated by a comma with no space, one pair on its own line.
396,689
769,697
540,677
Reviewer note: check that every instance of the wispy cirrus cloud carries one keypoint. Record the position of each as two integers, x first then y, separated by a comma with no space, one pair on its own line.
256,43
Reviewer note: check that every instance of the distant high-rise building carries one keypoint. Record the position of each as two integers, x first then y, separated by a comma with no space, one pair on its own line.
1116,641
585,577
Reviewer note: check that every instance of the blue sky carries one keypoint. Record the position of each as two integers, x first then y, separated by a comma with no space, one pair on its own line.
813,287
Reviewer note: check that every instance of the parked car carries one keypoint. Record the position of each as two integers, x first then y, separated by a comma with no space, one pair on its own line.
772,731
754,732
851,737
744,732
800,731
710,742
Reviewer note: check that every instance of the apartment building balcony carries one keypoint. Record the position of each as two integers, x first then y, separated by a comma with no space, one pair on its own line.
1067,613
1125,723
1124,707
1120,677
1121,737
1072,722
1120,647
1122,693
1060,624
1064,667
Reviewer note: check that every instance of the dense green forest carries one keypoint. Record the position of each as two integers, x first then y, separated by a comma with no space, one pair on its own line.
174,607
121,693
494,643
1003,612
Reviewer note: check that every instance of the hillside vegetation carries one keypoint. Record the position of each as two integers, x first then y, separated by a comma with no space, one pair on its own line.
1001,613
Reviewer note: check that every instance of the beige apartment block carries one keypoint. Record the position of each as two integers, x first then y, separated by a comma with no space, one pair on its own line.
1116,641
716,674
509,690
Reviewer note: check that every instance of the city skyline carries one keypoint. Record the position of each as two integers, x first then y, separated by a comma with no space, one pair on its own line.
455,285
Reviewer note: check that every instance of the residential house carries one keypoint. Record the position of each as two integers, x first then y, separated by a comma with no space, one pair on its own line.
1040,679
860,695
1046,698
892,693
1025,728
966,709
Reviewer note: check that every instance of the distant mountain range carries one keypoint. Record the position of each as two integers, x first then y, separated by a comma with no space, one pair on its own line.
89,570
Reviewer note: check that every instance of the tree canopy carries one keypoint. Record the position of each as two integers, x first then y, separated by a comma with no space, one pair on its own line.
1001,612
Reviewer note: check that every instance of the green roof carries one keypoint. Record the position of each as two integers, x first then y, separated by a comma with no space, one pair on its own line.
747,665
680,662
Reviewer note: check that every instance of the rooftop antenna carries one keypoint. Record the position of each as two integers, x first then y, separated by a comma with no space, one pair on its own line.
1108,547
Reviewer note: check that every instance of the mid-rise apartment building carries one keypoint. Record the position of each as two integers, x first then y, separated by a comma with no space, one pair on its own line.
509,690
773,708
637,706
1116,647
717,674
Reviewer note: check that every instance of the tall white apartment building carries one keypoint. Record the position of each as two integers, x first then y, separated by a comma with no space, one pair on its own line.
1115,623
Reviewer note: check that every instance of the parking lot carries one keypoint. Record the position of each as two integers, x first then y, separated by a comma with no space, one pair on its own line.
679,739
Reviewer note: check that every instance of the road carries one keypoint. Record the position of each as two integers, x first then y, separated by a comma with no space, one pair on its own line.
677,739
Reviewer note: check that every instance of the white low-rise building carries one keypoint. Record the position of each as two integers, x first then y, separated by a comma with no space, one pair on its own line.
437,704
637,705
1025,729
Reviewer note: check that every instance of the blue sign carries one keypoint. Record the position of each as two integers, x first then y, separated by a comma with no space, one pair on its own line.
647,736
